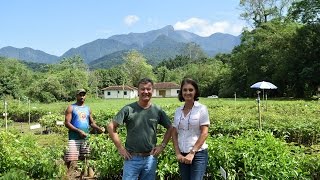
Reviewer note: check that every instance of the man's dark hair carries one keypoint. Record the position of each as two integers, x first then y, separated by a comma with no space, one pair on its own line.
145,81
194,84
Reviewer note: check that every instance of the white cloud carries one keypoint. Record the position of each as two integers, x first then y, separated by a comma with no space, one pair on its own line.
205,28
131,19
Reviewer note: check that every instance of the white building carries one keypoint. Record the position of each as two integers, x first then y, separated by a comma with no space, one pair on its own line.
166,89
120,92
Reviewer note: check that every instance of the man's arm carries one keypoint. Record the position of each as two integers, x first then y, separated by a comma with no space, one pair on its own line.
94,125
67,122
112,130
167,136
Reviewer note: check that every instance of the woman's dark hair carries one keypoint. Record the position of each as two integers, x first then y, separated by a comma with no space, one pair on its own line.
194,84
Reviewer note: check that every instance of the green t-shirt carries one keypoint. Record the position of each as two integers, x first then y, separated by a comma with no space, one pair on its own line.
141,126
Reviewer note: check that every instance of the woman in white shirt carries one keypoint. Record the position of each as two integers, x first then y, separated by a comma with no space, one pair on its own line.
191,123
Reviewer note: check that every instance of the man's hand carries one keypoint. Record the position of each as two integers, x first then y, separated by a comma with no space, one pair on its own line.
101,130
124,153
82,134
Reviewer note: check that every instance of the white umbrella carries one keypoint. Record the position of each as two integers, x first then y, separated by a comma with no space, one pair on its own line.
262,85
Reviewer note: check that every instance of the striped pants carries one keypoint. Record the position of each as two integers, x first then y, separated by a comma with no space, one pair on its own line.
77,148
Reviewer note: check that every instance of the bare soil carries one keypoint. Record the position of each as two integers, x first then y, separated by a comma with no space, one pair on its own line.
77,174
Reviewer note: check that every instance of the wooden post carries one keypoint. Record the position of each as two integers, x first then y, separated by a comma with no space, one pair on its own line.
6,114
318,94
29,111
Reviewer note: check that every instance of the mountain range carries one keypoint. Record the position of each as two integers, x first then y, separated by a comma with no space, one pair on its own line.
155,45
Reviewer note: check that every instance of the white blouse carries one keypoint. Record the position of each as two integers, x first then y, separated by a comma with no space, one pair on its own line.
188,127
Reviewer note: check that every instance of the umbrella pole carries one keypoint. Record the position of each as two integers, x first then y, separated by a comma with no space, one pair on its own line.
263,97
266,101
259,111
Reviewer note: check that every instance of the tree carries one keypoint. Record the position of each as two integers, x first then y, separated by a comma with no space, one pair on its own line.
136,67
14,77
264,54
109,77
304,64
305,11
178,61
60,81
162,74
209,80
262,11
75,62
193,51
47,90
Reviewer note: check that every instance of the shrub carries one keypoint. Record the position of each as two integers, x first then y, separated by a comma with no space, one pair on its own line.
22,152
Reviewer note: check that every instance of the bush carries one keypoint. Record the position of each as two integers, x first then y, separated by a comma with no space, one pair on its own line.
253,155
50,122
15,174
22,152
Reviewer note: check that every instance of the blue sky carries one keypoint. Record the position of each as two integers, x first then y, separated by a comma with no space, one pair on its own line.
55,26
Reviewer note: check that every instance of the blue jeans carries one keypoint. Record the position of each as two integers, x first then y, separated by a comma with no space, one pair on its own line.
196,170
140,167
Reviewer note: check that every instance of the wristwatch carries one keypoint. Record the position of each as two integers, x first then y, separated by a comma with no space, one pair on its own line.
193,151
163,145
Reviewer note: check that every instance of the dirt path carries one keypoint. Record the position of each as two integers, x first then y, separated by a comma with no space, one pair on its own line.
75,174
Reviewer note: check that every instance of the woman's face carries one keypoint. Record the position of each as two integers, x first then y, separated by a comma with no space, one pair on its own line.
188,92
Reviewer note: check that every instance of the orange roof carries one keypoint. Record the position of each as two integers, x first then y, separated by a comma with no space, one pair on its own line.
125,87
166,85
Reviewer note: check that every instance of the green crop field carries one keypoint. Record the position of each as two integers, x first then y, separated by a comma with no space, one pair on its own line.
287,147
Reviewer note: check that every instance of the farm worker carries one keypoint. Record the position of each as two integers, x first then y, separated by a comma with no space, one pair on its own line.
190,131
78,118
141,119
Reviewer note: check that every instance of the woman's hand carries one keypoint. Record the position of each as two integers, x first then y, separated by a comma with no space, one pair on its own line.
180,158
188,158
157,150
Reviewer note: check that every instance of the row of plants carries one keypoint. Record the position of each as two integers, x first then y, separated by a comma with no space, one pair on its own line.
297,121
233,143
251,155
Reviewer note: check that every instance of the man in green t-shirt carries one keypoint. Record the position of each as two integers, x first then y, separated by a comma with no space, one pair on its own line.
141,119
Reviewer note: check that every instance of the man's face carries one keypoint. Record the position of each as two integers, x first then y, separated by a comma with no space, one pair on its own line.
145,91
81,97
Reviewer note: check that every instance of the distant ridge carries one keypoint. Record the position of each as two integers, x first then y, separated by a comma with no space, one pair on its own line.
155,45
28,54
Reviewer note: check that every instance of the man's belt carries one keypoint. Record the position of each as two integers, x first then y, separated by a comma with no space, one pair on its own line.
144,154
